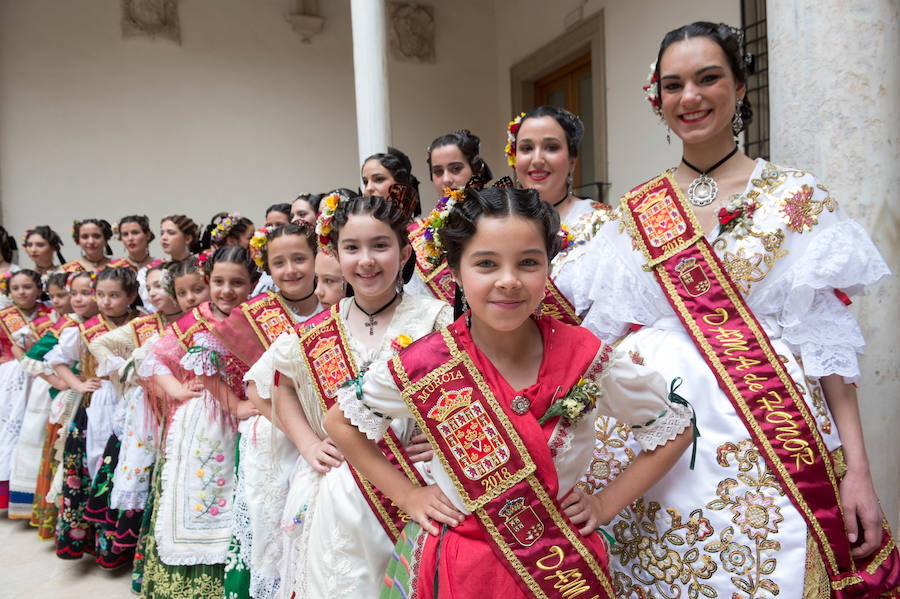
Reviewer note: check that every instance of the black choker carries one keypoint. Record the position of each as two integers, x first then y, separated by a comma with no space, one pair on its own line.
220,311
703,189
565,197
302,299
371,322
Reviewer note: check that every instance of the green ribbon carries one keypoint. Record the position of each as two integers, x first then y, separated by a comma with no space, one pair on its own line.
216,359
128,368
675,398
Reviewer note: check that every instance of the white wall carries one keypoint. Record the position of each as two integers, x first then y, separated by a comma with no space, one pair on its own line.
636,141
239,116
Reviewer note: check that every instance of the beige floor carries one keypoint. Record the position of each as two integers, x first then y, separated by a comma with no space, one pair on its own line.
29,569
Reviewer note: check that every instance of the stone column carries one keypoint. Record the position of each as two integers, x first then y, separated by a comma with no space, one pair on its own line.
834,90
370,74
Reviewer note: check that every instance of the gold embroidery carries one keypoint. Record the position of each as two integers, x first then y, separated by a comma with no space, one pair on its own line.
605,465
815,580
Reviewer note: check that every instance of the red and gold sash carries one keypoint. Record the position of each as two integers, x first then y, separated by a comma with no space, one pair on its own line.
64,322
94,327
144,327
254,326
331,365
489,464
742,358
440,281
121,263
73,266
12,320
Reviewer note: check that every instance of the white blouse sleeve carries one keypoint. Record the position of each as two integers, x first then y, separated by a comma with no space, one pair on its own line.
68,350
639,397
372,404
282,356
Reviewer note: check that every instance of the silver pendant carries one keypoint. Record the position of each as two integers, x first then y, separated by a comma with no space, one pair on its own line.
521,405
703,191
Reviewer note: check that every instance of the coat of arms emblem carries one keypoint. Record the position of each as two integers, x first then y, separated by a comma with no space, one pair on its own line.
660,218
468,431
692,277
521,522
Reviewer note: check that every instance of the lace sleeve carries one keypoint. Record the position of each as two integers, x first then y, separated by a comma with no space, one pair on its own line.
639,397
444,317
374,402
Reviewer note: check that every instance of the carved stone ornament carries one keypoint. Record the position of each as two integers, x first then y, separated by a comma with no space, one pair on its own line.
411,30
153,18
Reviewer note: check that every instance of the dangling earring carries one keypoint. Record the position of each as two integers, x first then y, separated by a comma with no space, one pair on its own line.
398,284
569,181
668,135
465,306
737,121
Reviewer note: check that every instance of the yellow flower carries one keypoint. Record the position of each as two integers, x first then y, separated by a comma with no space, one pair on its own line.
325,230
404,340
198,507
200,472
332,202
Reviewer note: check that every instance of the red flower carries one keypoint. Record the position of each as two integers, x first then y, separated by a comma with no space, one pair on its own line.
726,217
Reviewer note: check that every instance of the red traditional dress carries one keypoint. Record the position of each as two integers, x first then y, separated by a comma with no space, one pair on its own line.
495,462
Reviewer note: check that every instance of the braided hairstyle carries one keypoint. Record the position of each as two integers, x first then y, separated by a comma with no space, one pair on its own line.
188,228
301,229
236,255
102,224
140,220
8,247
399,166
470,146
571,125
238,228
50,236
730,39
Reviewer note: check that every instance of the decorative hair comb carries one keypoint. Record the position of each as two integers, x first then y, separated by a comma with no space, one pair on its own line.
405,197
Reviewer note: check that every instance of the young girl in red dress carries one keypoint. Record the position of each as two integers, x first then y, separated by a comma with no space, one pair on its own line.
508,401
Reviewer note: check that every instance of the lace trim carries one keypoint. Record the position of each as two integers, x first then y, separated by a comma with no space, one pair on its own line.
660,431
128,500
110,365
373,426
35,367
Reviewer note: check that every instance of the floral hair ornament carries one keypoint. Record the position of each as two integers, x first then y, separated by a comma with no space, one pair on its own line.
167,282
436,220
26,234
257,245
4,281
203,257
115,231
224,227
324,229
75,225
651,91
511,131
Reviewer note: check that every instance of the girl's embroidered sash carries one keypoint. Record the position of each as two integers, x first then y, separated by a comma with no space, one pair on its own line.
440,281
742,358
494,473
249,331
12,320
331,366
144,327
64,322
73,266
94,327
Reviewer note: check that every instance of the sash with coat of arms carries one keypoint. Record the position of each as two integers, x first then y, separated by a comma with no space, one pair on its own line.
331,366
740,355
492,465
13,320
253,327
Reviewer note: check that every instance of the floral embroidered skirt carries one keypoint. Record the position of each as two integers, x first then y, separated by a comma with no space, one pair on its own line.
161,581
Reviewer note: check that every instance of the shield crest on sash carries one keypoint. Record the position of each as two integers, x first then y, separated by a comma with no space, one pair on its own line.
273,323
521,522
329,365
660,218
144,331
692,277
474,441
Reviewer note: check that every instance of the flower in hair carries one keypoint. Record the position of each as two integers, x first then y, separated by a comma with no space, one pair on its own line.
324,229
651,91
437,220
75,224
224,227
167,282
27,233
257,244
4,281
511,131
203,257
115,230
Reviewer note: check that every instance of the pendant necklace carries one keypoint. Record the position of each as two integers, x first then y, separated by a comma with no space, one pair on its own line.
703,190
371,322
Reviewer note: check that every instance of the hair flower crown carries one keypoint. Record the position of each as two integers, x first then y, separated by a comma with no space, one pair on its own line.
436,220
224,227
511,131
257,245
327,208
651,91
